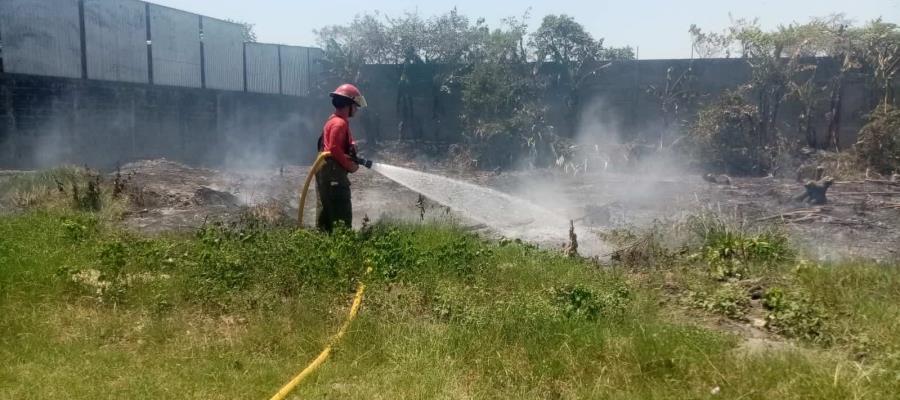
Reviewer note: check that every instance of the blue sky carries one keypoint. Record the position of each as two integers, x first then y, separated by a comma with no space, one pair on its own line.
657,28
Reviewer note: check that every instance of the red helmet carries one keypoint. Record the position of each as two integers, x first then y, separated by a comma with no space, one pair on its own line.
351,92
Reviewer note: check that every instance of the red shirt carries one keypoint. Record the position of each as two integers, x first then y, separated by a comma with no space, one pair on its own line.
337,139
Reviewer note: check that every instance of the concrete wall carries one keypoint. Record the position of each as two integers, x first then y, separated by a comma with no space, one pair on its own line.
45,121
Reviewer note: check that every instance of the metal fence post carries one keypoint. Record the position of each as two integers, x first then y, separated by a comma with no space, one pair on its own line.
149,45
202,55
280,77
83,37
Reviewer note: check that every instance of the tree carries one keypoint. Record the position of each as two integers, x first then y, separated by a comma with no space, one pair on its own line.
248,30
724,137
880,46
563,41
366,40
680,92
782,68
709,45
878,144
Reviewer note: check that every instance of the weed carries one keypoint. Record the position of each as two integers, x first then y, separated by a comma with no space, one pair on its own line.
91,199
646,250
728,299
580,302
795,315
390,254
462,256
74,231
729,250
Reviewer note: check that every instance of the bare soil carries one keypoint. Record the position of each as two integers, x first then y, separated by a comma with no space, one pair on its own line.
860,220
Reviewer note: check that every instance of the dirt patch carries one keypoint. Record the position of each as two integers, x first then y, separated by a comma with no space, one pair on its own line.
859,220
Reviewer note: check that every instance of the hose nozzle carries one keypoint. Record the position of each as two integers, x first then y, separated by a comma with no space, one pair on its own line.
361,161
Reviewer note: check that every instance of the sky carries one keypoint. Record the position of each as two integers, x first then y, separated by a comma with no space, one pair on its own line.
657,29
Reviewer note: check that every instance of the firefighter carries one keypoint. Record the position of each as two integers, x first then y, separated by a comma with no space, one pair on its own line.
332,183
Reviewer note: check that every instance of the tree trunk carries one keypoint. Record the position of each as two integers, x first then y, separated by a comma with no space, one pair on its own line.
834,123
805,126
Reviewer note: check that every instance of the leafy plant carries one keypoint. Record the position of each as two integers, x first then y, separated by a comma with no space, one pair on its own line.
581,302
728,299
725,137
463,256
795,315
729,250
389,253
878,144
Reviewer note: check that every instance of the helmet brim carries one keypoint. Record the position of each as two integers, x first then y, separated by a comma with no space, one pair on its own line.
358,100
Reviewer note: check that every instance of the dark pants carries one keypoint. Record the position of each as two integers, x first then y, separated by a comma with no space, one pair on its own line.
334,205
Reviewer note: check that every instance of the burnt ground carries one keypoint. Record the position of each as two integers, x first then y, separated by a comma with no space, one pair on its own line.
860,220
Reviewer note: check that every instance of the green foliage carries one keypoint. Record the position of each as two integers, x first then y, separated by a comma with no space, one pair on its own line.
726,137
499,112
79,228
879,49
580,302
729,250
728,299
490,67
562,40
464,257
878,143
426,333
796,315
784,69
390,253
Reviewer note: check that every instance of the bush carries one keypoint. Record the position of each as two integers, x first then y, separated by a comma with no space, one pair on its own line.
501,116
726,138
878,144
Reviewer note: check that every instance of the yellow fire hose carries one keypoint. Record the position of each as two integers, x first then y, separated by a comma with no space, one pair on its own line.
320,161
354,308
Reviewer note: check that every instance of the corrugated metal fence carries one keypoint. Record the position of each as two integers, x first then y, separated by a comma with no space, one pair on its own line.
135,41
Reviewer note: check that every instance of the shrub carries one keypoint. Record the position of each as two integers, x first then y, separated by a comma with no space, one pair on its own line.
878,144
725,137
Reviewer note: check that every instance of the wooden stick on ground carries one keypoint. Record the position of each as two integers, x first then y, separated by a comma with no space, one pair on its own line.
802,214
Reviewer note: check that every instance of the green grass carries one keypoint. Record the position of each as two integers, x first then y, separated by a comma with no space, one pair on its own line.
234,311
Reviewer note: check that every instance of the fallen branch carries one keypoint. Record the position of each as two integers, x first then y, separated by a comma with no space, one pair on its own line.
797,215
883,182
868,193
